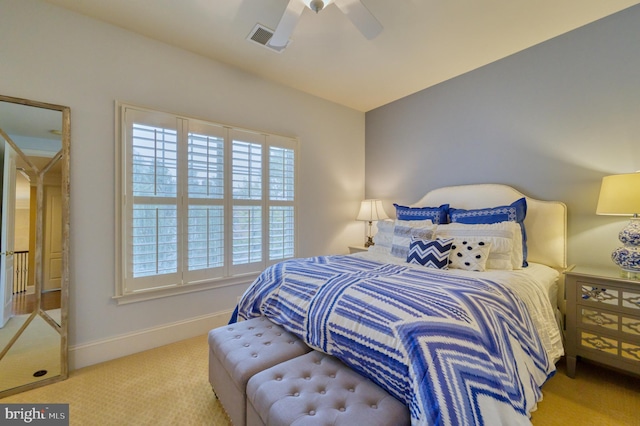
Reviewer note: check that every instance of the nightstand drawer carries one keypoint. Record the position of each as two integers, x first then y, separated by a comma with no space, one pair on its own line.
631,300
594,318
608,321
599,295
630,351
608,296
603,344
631,326
608,345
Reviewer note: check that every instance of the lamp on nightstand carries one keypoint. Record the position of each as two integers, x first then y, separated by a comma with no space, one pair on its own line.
620,196
371,210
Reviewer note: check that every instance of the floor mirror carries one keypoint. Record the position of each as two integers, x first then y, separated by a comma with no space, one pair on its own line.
34,243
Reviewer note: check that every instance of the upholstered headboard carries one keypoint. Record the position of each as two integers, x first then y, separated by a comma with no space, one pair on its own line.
545,222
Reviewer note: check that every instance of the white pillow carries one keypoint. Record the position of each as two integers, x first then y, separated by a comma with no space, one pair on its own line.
470,256
384,237
505,239
404,230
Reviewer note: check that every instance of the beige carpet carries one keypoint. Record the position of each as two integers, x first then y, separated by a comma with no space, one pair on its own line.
162,386
169,386
596,397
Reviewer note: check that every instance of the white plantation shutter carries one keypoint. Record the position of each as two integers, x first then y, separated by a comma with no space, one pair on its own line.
201,203
154,240
281,201
152,210
205,199
247,234
281,232
247,200
281,174
247,170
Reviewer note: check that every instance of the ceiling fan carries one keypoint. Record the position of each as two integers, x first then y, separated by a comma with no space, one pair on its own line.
357,13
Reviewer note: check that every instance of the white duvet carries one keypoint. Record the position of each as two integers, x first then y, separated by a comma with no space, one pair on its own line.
536,285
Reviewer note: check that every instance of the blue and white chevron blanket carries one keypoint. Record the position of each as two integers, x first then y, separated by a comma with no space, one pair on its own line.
456,350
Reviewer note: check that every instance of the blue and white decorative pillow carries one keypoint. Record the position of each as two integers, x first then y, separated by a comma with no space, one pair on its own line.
514,212
470,256
437,215
430,253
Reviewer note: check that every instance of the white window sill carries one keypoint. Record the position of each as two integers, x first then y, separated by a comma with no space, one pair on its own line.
184,289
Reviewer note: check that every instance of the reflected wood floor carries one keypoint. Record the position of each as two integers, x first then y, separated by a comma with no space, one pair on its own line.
24,303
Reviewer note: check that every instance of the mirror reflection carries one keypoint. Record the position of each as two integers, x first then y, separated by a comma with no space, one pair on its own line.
34,140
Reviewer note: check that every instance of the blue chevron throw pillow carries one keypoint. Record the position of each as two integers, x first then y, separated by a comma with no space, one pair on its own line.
430,253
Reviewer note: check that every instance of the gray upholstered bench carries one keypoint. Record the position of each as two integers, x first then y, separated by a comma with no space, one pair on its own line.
238,351
318,389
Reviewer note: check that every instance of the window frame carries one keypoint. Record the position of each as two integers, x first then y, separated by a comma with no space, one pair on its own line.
191,281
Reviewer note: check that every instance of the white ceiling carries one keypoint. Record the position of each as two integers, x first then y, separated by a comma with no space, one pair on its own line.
424,42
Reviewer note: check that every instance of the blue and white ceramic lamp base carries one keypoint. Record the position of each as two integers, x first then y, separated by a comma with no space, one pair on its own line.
628,256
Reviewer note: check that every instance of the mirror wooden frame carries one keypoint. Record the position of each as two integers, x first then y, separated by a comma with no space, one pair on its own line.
62,328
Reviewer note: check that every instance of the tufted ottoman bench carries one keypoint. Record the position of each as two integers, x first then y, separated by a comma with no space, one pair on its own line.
238,351
318,389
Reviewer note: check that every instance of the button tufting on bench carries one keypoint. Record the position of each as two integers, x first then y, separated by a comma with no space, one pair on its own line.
238,351
319,385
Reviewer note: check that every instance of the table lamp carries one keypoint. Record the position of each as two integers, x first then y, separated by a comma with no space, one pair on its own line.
620,196
371,210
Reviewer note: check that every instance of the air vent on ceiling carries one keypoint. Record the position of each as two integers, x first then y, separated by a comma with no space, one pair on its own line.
261,35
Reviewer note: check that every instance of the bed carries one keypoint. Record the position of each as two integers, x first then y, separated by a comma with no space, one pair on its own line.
468,337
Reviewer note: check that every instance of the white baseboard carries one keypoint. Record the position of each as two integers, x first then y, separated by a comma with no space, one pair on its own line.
116,347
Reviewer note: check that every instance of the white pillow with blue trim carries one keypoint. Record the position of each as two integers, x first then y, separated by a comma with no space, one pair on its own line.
514,212
404,230
384,237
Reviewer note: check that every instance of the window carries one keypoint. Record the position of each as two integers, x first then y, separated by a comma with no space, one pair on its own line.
200,204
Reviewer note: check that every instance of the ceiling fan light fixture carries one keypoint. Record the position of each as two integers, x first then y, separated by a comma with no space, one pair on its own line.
316,5
355,10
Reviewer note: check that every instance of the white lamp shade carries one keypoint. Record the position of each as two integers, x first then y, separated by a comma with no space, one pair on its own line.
371,210
619,195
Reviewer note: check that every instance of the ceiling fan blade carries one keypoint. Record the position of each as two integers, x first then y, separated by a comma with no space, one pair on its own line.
360,16
287,23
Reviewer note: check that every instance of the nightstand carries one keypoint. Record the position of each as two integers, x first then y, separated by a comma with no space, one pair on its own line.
603,319
357,249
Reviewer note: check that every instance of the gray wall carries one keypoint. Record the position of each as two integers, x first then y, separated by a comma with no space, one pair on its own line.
551,121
